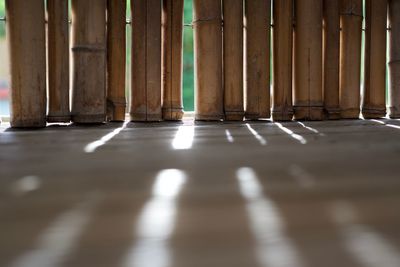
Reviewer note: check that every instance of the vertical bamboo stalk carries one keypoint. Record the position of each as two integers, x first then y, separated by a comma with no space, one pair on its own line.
350,58
138,110
233,59
116,65
394,58
282,109
172,37
257,56
308,61
89,60
208,59
331,55
26,37
374,100
58,58
146,60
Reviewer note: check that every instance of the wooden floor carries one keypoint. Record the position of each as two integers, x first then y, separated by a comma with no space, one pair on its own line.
320,194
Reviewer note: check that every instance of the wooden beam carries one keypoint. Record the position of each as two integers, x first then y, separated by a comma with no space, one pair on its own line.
208,59
308,103
282,109
89,61
116,59
257,59
350,58
26,38
172,39
233,59
331,58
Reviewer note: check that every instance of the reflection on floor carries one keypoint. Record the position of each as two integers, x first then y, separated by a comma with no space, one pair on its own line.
255,194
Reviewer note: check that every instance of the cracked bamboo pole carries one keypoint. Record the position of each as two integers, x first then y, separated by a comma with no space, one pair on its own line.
26,37
331,56
233,59
208,59
257,59
374,100
146,61
172,59
282,109
116,64
89,61
394,58
308,100
58,61
350,58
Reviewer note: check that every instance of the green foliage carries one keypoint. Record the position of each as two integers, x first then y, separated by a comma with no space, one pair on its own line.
188,59
2,24
2,8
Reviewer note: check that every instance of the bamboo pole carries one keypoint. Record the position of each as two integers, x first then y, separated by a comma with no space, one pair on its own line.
172,37
89,61
282,109
331,55
374,100
350,58
257,59
58,61
208,59
394,58
26,37
146,60
116,64
138,110
233,59
308,61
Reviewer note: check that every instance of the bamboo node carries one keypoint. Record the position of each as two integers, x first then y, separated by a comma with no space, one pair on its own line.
351,13
207,20
89,48
394,62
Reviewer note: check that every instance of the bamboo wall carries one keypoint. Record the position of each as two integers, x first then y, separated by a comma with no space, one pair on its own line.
233,59
282,109
26,35
394,58
316,57
207,26
172,59
307,94
58,60
331,58
350,58
116,53
374,99
89,45
257,59
146,60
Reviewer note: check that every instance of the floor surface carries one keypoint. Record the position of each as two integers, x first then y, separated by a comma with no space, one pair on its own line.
257,194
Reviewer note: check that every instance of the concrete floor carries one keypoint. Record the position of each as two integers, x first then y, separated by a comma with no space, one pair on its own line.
320,194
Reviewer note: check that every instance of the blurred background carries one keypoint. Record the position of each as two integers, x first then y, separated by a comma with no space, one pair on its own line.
4,73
